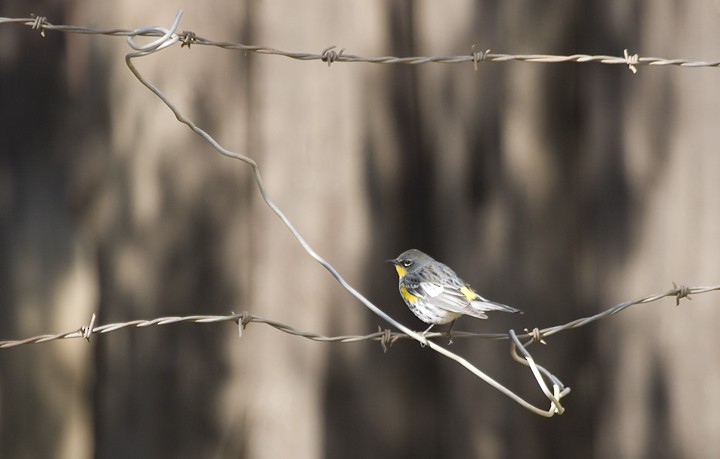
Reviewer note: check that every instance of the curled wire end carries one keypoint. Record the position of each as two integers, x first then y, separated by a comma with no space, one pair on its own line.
632,61
329,55
168,37
682,292
386,339
558,394
535,335
87,331
187,38
478,56
39,24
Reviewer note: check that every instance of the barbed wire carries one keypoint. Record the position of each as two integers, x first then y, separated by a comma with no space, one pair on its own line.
167,37
329,55
386,337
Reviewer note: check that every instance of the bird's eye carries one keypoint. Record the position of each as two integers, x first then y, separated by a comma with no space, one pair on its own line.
407,263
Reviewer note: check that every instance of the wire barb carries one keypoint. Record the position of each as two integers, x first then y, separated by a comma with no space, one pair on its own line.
330,56
535,336
187,38
632,61
478,56
243,321
386,339
682,292
87,331
39,24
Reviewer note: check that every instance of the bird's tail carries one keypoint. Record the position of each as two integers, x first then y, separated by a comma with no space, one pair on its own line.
487,305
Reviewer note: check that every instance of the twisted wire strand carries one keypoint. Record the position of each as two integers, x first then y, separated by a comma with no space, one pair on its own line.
329,55
387,338
245,318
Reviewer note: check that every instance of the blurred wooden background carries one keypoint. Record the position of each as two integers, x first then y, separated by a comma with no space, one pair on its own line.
560,189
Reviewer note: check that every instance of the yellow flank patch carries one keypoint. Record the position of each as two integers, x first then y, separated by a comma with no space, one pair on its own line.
405,294
400,270
469,294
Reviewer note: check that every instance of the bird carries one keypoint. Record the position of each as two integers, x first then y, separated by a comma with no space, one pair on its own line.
436,295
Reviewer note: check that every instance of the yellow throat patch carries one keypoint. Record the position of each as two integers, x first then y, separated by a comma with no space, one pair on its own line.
400,270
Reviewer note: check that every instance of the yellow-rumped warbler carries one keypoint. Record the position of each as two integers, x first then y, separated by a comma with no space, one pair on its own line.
435,294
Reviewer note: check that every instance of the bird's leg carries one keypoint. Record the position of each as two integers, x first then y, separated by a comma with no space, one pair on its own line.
450,331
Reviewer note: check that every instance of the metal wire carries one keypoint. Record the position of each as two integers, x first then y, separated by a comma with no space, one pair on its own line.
168,37
329,55
385,336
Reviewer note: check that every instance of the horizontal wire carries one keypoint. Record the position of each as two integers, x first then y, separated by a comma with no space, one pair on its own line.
329,55
385,336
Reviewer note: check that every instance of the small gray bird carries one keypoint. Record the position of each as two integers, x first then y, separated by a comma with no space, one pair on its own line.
435,294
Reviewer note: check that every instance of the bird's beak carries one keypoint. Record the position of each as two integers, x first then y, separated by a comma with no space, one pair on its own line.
393,261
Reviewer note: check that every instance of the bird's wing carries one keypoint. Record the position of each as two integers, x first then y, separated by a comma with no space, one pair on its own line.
445,296
477,302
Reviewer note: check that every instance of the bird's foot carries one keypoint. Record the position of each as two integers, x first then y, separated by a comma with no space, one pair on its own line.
450,332
423,340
